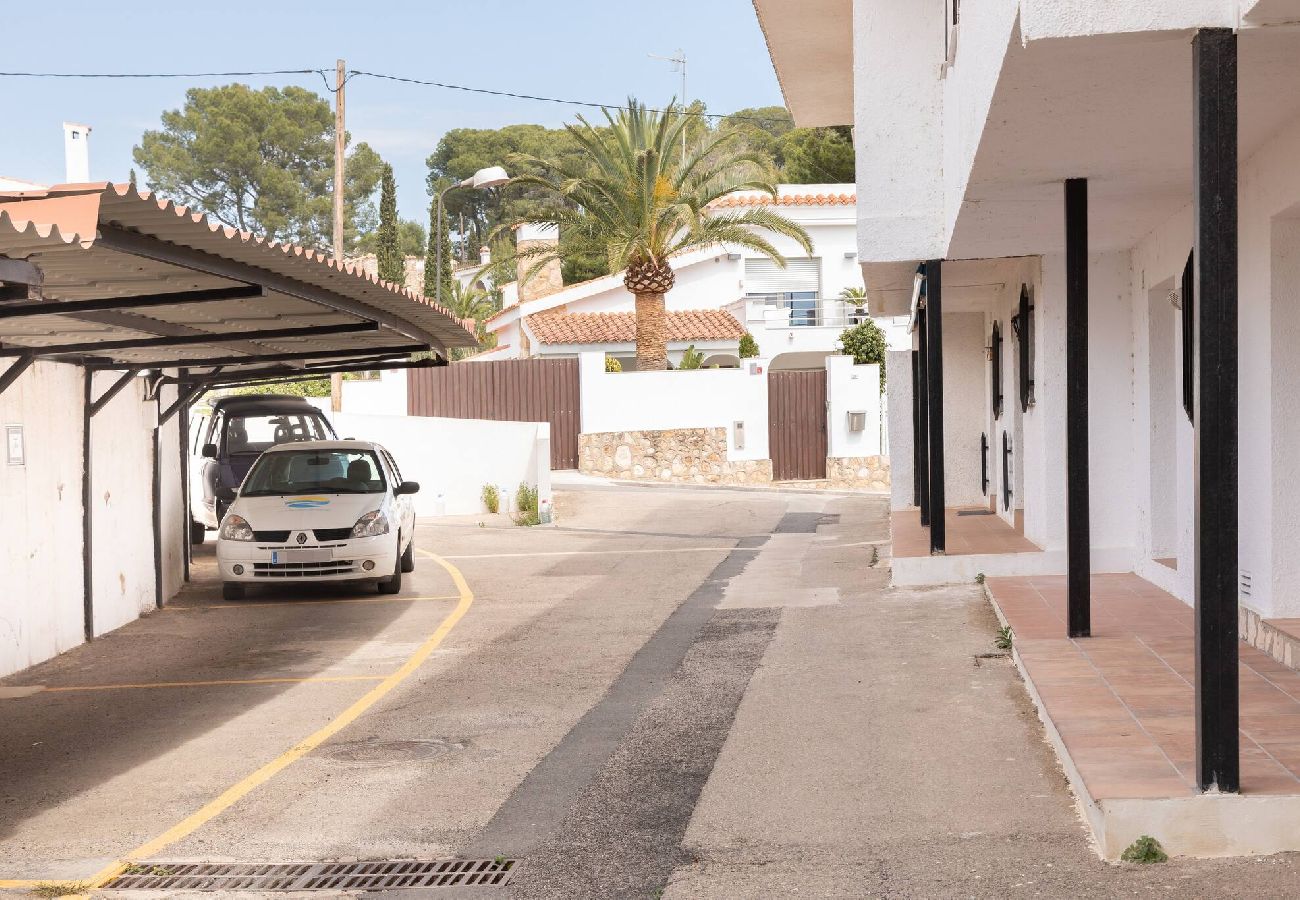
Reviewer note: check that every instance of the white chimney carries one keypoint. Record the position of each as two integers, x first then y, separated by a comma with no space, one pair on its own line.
76,152
484,255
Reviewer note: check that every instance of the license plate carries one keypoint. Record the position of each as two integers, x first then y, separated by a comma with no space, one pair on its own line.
299,556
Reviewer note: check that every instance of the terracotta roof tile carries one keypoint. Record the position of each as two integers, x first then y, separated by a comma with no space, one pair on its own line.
735,200
620,327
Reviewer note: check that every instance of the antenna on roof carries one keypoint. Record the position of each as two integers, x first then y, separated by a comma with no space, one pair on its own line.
678,59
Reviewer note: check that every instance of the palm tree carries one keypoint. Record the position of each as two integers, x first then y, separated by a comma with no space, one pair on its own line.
468,301
636,193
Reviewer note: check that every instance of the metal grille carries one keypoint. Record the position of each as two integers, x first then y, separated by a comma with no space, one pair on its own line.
366,875
303,569
271,536
332,534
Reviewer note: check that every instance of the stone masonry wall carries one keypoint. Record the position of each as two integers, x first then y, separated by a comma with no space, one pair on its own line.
869,472
690,455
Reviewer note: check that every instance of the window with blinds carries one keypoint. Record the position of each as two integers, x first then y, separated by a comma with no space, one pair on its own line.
764,278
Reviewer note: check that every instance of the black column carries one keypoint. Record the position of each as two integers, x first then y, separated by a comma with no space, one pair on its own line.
87,510
1078,539
934,390
923,423
1214,111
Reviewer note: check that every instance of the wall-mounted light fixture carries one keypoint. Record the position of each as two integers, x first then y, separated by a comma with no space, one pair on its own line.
733,256
850,254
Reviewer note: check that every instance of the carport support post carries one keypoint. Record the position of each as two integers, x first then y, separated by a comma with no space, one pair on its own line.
1078,539
922,424
87,514
1214,111
934,392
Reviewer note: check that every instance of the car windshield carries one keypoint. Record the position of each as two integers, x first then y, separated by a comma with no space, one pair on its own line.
256,432
314,472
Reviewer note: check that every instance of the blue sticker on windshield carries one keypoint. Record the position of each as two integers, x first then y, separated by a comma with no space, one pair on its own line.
306,502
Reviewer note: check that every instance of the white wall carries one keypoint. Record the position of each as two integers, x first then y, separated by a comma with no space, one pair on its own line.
900,447
965,399
385,396
851,387
453,459
122,504
656,401
40,517
174,500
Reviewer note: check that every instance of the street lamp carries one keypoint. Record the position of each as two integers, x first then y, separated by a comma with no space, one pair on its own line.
492,176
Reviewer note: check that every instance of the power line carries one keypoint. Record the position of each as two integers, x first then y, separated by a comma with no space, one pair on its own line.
588,103
591,104
157,74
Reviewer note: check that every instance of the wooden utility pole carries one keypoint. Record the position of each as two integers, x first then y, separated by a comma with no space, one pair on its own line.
340,132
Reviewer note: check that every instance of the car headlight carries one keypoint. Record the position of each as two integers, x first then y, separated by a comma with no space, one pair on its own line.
371,524
235,528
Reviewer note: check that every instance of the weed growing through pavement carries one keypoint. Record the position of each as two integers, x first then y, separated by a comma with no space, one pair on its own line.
60,888
526,505
979,579
875,556
492,498
1004,638
1145,849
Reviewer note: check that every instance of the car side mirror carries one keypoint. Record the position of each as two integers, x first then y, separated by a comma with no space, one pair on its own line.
226,495
407,487
209,450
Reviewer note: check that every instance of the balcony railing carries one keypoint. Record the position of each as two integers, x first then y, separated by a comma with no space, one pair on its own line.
775,312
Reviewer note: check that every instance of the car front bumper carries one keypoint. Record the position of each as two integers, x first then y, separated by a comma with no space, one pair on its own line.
325,561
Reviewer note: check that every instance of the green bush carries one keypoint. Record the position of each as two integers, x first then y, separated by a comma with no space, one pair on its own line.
612,364
526,512
491,498
866,344
748,346
316,387
691,358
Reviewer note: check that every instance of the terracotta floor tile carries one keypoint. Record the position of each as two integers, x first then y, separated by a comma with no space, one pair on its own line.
1123,700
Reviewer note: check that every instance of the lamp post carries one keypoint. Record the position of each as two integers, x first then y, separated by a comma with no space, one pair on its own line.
492,176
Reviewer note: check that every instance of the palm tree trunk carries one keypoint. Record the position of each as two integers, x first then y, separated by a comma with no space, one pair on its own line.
651,333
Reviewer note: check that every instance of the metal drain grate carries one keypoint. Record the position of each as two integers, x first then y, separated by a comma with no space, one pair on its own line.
366,875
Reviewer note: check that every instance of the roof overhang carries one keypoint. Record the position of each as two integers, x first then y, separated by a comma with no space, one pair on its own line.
1068,108
811,45
117,279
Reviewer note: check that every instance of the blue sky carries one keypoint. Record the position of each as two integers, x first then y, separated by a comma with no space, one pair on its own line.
577,49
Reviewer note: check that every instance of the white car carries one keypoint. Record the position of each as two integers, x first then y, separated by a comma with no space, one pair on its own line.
319,511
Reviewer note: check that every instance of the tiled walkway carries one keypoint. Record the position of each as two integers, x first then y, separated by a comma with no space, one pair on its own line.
1122,699
966,535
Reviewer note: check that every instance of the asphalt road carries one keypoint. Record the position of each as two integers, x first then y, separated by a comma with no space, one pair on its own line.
674,692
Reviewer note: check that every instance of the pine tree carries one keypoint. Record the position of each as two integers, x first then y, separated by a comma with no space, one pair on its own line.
392,267
431,272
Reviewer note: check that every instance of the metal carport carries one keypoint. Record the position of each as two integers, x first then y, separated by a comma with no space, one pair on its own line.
140,297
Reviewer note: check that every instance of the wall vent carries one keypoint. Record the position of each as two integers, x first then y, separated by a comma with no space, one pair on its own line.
1243,582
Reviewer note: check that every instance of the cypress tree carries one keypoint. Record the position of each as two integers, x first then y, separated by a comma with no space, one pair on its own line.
431,272
392,267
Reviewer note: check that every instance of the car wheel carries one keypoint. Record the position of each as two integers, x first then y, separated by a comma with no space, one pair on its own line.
197,533
408,557
394,584
232,591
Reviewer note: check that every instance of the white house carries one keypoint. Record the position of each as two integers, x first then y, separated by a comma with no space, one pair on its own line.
1091,212
794,313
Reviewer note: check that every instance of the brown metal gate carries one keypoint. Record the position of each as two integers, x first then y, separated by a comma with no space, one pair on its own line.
796,422
506,390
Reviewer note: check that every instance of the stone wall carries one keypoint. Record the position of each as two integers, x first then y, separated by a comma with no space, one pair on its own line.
869,472
1263,635
689,455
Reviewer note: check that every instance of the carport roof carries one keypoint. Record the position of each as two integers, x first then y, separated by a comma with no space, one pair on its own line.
135,281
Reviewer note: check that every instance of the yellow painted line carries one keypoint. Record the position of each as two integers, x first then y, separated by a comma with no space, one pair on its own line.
176,684
234,794
289,604
19,883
